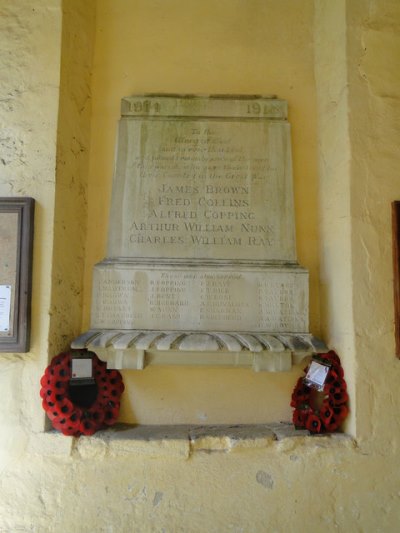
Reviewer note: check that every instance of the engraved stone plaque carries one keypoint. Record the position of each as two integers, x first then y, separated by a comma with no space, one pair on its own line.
201,234
199,298
203,178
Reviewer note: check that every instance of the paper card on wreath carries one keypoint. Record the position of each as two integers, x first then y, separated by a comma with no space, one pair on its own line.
81,368
316,375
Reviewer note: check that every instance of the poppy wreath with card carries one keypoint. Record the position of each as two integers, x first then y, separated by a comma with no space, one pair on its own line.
83,415
324,411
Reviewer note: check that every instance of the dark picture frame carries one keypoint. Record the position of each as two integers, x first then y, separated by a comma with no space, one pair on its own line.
16,245
396,271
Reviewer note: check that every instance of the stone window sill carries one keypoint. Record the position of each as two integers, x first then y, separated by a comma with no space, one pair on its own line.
183,440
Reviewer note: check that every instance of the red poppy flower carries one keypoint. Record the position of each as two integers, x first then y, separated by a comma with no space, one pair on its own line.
100,372
114,376
71,425
49,395
53,413
341,412
333,424
87,427
59,388
331,377
61,360
70,430
46,406
112,392
111,415
66,406
339,397
330,389
62,373
45,380
313,423
61,422
96,414
326,412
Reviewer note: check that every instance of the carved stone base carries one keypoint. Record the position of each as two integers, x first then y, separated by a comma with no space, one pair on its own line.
135,349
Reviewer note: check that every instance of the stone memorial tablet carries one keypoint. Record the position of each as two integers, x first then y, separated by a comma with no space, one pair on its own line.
201,234
203,178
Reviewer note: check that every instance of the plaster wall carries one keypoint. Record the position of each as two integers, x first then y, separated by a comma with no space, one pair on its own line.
374,95
73,141
29,85
111,484
359,131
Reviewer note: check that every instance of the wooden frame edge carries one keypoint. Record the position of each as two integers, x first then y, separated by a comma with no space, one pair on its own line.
25,207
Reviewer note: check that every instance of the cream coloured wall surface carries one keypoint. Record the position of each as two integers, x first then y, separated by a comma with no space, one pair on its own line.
29,85
374,94
335,221
111,484
73,140
256,47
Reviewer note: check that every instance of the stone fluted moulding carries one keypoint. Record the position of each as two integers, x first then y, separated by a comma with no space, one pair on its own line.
259,351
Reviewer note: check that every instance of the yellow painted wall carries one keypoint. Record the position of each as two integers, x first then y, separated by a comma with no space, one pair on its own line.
336,64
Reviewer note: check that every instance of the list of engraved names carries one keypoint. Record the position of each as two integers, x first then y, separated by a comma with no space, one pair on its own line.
204,185
198,299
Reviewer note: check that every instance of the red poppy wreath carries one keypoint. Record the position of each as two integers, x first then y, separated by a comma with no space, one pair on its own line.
324,411
89,414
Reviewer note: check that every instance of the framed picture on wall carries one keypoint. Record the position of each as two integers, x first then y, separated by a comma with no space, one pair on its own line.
396,271
16,240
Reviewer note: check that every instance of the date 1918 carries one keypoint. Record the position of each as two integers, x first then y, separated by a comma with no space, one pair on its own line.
263,109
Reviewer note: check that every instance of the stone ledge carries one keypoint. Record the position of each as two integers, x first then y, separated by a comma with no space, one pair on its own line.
137,349
181,440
